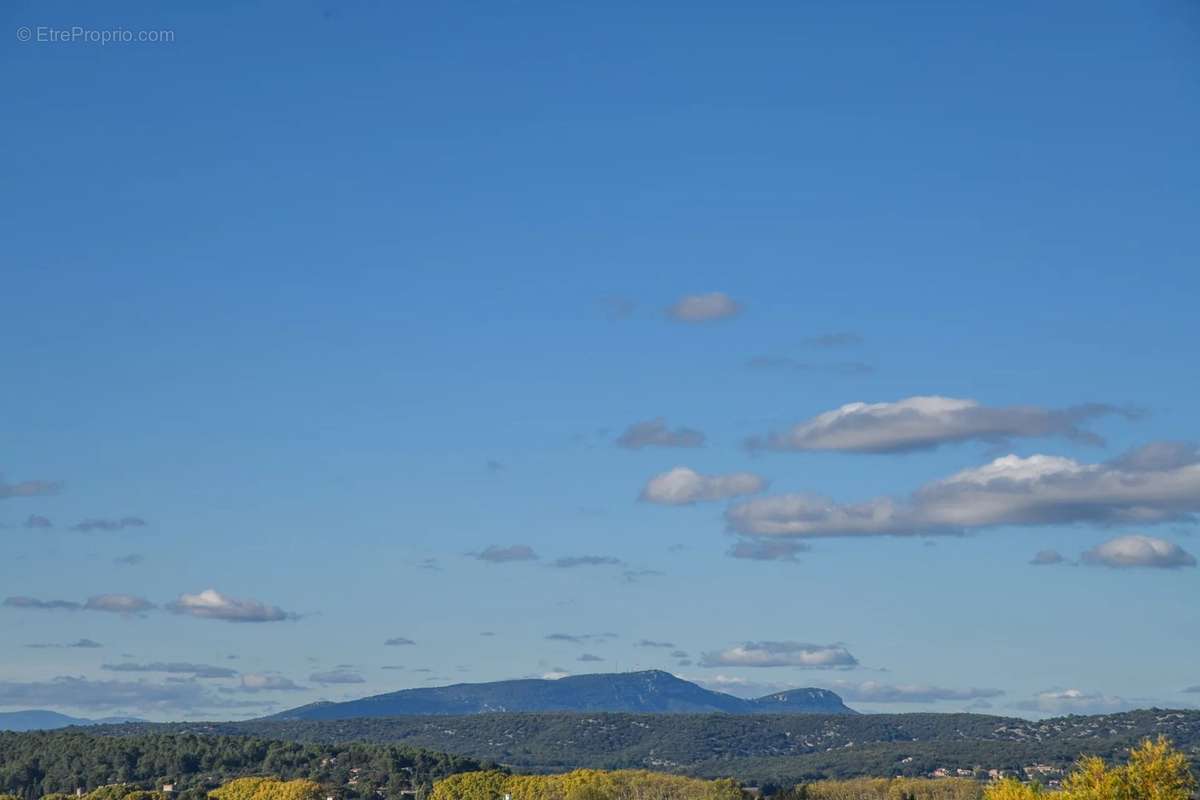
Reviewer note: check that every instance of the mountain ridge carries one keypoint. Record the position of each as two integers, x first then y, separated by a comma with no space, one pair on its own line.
649,691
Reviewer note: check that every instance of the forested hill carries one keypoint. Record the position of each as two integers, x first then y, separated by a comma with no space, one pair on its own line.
650,691
758,748
34,764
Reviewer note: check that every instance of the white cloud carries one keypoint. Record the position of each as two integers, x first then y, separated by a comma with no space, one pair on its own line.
704,307
925,422
684,486
1136,550
211,604
781,654
656,433
1011,490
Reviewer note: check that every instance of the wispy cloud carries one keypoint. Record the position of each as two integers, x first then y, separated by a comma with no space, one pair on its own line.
267,682
704,308
580,638
121,524
336,677
1044,558
36,521
496,554
113,603
174,668
569,562
876,692
656,433
768,550
927,422
127,696
36,488
399,641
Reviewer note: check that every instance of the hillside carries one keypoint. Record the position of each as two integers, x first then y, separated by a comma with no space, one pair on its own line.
757,748
649,692
41,720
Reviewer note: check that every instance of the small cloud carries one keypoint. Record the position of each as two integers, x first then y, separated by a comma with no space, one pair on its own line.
567,562
398,641
767,550
494,466
88,525
503,555
684,486
679,654
781,654
85,644
131,560
429,564
266,682
1136,550
337,677
555,675
1192,690
1046,558
656,433
652,643
29,489
211,604
704,308
392,666
589,658
487,633
36,521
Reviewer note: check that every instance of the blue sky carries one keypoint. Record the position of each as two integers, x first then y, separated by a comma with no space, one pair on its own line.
326,300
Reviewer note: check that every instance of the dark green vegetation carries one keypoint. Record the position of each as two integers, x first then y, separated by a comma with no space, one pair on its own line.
44,762
773,749
649,692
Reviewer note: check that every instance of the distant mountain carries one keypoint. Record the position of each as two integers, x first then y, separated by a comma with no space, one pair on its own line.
650,692
42,720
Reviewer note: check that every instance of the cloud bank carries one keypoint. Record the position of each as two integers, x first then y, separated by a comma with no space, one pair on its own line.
1141,487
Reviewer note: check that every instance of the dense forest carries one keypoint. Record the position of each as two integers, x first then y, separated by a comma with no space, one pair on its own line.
39,763
764,749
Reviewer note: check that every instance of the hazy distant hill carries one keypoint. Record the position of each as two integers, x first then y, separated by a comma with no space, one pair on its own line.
41,720
650,692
